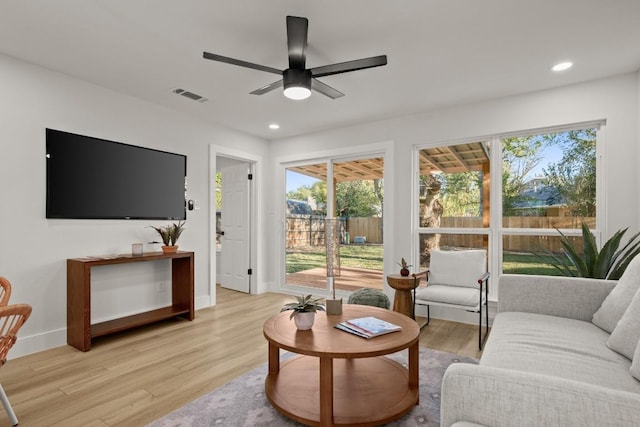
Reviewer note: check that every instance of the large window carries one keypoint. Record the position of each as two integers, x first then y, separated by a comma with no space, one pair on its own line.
453,198
511,195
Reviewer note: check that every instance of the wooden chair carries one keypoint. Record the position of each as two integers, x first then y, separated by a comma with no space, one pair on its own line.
456,279
5,291
12,317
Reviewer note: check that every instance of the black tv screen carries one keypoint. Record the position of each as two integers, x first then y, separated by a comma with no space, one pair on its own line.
91,178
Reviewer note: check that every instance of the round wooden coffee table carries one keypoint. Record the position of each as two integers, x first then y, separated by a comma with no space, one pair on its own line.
338,378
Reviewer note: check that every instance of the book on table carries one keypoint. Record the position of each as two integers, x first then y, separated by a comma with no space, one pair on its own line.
368,327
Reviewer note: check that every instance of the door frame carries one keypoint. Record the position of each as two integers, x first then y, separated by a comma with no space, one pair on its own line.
255,165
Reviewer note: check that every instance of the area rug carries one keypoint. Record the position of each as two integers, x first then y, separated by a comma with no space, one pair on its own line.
242,402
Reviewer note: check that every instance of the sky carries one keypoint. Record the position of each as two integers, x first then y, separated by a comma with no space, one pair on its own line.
296,180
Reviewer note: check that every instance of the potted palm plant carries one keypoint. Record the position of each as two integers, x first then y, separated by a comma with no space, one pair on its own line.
170,235
608,263
303,311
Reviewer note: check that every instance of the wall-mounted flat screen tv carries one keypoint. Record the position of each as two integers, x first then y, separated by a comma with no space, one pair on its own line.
91,178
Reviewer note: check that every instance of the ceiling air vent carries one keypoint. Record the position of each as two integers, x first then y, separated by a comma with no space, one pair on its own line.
192,96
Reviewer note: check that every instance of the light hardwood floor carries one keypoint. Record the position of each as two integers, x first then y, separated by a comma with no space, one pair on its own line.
135,377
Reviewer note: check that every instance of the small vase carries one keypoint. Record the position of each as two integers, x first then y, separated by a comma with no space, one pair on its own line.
334,306
304,320
404,272
169,249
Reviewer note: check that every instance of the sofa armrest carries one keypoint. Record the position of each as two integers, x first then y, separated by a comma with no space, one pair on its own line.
571,297
507,398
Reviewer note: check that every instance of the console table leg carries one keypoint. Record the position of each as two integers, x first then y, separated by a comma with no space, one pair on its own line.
326,391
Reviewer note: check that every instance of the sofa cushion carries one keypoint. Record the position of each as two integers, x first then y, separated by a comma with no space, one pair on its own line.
624,338
556,346
616,303
635,364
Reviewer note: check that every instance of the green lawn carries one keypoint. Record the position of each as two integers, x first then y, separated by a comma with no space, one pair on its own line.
370,257
362,256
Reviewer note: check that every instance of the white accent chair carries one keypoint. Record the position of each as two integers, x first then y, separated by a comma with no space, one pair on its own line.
456,279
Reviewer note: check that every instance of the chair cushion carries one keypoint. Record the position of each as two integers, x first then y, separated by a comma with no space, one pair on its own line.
368,296
616,303
457,268
456,295
624,338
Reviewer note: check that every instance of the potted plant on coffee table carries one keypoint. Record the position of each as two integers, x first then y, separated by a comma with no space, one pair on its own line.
303,311
170,235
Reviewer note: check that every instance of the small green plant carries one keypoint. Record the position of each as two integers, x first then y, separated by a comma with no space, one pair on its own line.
303,304
403,264
608,263
170,233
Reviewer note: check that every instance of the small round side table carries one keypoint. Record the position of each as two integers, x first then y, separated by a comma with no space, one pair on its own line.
403,285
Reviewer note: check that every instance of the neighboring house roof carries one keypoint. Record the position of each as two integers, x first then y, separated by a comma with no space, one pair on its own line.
298,207
540,196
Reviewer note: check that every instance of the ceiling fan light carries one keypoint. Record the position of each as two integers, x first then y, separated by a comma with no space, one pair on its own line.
297,92
297,83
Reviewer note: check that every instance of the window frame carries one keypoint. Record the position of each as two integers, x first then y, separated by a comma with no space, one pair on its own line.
496,232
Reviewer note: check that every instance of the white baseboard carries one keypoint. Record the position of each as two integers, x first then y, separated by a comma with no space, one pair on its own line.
52,339
36,343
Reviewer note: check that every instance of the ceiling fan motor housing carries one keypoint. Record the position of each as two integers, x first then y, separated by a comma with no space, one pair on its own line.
296,78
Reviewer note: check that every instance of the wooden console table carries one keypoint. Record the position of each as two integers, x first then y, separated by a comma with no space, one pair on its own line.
79,327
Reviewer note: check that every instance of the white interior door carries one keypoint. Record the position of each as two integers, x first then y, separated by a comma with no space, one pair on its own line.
235,260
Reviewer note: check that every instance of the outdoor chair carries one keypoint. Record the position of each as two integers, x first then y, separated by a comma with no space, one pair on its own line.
456,279
12,317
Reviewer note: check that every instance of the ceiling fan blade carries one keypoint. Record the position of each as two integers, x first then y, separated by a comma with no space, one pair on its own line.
325,89
232,61
297,29
345,67
267,88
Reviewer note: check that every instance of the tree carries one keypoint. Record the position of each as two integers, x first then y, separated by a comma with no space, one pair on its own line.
460,193
574,176
353,198
357,199
316,192
520,156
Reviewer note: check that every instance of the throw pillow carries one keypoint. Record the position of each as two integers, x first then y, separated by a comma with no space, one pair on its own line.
615,304
624,338
635,365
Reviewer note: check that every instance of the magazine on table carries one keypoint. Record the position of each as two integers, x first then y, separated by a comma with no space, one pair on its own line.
368,327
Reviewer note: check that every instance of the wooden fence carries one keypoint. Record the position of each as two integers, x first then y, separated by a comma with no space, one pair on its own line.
308,230
369,228
515,243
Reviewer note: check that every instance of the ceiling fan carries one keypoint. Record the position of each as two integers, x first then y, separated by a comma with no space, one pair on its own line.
298,81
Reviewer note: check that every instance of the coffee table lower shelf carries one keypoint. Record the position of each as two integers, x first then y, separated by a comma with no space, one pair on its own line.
366,391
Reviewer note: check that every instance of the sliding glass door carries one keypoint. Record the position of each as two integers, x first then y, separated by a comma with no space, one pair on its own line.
340,200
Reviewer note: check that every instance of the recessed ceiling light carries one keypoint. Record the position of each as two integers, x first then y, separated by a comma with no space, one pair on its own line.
562,66
274,126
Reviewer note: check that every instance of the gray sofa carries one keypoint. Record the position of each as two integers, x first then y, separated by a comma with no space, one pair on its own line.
549,359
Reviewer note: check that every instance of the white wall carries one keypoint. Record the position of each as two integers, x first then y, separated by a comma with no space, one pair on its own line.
35,249
33,256
614,100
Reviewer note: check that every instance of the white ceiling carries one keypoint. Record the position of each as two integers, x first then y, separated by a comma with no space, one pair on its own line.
440,52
